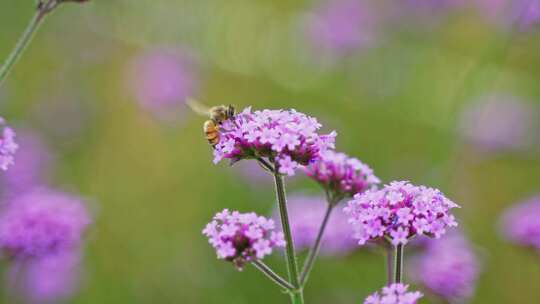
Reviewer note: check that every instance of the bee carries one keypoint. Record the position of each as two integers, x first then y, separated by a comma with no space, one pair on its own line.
217,114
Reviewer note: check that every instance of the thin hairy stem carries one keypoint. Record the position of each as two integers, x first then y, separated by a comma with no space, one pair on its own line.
398,263
42,10
314,252
274,277
389,253
292,267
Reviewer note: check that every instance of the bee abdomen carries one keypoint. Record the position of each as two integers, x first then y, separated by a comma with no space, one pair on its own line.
211,132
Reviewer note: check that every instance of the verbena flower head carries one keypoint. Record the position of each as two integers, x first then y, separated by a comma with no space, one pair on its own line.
8,146
340,27
400,211
242,237
516,14
342,176
521,223
286,137
394,294
42,222
162,80
50,279
306,214
500,122
448,267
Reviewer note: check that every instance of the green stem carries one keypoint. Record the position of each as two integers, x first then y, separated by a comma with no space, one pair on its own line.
297,297
274,277
314,252
389,264
25,39
398,263
292,267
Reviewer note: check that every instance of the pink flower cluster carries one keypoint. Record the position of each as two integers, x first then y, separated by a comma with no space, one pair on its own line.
340,175
8,146
42,222
521,223
394,294
448,267
398,212
286,137
242,237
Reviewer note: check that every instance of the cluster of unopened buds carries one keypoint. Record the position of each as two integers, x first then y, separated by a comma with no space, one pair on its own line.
284,142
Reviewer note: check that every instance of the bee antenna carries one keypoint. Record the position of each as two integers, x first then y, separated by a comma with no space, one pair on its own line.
197,107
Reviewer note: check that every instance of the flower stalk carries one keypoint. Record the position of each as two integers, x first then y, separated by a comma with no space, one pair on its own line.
42,10
292,265
398,263
274,277
389,252
314,252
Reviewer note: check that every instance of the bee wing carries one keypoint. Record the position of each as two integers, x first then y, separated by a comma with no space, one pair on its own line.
197,107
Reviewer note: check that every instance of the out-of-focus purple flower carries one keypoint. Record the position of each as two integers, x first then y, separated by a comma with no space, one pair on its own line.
340,27
398,212
521,223
41,222
162,80
33,163
448,267
286,136
49,279
306,214
8,146
499,122
242,237
394,294
340,175
523,14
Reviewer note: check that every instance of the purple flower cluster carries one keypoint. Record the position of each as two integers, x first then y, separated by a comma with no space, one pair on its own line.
340,175
286,137
448,267
394,294
398,212
306,214
8,146
42,222
521,223
242,237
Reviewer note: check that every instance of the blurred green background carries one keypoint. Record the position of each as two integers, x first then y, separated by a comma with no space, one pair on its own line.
397,102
